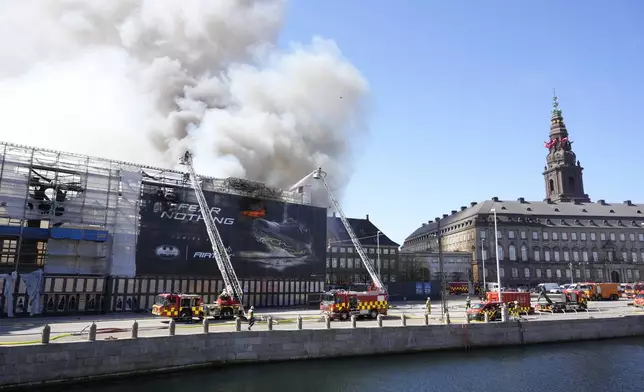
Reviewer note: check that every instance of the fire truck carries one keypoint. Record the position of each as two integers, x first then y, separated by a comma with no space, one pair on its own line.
569,300
634,290
463,288
341,304
178,306
229,302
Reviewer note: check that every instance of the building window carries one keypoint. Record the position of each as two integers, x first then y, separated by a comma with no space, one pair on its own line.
593,236
515,273
349,250
637,275
483,234
343,262
548,273
524,253
640,237
343,250
512,253
546,254
558,273
545,235
575,255
372,250
624,255
610,256
526,273
577,274
564,236
357,263
328,262
392,278
349,263
600,273
573,236
555,236
334,262
499,235
634,255
631,237
334,249
629,274
502,272
500,250
510,234
537,272
535,236
584,255
622,237
484,254
566,256
557,255
536,255
385,251
595,256
602,236
523,235
392,264
587,274
568,273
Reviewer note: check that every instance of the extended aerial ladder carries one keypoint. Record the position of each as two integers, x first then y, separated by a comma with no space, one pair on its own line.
318,174
233,287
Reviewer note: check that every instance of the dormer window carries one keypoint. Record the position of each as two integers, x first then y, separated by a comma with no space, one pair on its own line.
548,222
605,222
577,222
611,211
591,222
503,208
556,209
638,211
530,209
633,223
583,210
619,223
563,221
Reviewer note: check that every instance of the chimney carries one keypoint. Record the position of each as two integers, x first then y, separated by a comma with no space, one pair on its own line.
472,204
628,202
602,202
521,200
453,212
424,224
463,208
437,219
445,215
367,217
494,198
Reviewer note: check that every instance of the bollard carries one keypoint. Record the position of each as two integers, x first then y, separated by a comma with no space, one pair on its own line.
487,317
92,332
504,314
270,323
426,318
447,320
379,319
327,321
172,328
206,325
403,320
299,322
237,324
354,319
135,330
46,334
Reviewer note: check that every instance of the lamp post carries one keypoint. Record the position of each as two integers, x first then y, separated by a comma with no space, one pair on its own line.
378,252
571,276
496,249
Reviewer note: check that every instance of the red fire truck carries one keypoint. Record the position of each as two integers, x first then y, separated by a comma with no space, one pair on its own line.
178,306
340,304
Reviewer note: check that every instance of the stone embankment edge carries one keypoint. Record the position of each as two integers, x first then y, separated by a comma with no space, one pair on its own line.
37,365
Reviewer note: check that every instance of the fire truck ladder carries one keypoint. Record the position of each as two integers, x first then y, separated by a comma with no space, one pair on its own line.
321,175
233,287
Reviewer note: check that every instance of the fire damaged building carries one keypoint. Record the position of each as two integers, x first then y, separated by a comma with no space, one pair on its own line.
566,237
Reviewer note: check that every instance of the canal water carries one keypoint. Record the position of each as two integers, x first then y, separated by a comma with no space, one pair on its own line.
606,366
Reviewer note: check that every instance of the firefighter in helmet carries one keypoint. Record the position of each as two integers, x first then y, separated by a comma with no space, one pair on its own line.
468,302
251,317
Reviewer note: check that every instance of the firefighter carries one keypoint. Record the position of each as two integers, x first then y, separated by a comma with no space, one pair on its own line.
428,306
468,302
251,317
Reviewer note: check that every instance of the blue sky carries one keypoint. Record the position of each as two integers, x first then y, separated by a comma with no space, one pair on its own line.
462,93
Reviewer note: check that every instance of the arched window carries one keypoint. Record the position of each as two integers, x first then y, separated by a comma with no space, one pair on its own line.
512,252
552,185
524,253
500,250
484,254
526,272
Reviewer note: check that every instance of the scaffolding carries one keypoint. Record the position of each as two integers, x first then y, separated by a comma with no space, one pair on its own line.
42,189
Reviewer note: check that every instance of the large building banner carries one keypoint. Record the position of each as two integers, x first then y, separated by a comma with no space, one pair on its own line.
264,238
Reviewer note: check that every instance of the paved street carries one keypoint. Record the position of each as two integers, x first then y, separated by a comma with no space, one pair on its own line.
65,329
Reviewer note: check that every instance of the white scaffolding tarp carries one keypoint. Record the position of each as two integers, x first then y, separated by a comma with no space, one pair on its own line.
123,260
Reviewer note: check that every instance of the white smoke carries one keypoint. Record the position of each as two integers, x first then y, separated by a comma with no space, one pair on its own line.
144,80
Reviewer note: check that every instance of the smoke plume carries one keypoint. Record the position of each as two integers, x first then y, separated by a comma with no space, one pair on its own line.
144,80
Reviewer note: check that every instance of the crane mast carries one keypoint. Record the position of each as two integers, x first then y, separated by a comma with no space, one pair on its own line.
320,175
233,287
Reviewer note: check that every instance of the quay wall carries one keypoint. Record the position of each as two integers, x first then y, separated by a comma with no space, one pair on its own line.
60,362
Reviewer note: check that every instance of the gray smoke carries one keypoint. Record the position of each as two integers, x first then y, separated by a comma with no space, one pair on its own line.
144,80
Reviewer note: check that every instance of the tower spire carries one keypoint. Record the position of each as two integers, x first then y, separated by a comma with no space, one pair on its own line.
563,172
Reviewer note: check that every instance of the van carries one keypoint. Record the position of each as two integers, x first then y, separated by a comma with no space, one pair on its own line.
548,287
